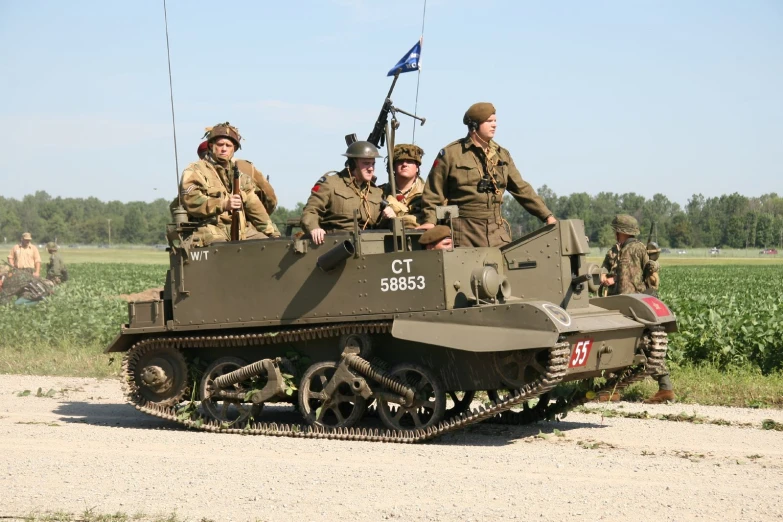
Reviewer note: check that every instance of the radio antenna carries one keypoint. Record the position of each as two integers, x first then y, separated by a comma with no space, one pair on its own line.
171,95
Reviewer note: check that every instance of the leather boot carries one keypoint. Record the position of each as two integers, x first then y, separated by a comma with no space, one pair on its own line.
605,396
661,397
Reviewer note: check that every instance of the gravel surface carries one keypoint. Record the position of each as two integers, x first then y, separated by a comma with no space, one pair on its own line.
84,449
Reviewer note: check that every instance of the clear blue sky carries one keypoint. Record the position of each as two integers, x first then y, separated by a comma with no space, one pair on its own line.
677,97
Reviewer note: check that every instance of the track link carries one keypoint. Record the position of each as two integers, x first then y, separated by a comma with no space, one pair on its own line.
557,365
655,345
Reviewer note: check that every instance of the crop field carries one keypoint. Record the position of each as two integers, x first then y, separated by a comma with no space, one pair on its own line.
730,317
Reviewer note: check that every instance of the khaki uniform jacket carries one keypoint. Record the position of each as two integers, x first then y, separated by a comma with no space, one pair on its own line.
333,200
21,257
204,188
454,179
409,207
610,264
264,190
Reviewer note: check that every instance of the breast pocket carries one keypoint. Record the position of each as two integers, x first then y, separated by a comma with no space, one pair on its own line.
465,175
343,201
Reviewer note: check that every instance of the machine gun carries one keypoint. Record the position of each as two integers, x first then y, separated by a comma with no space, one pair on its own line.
378,135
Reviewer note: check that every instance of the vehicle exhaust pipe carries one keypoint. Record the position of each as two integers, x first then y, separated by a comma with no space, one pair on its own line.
335,256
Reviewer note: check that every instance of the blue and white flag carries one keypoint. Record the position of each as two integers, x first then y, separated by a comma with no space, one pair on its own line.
409,62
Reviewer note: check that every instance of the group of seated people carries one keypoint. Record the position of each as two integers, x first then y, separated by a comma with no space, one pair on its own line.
472,173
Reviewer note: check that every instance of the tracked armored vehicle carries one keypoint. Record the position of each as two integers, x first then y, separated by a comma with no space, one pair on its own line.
368,321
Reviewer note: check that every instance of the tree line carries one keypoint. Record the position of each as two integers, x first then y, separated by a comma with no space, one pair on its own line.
733,220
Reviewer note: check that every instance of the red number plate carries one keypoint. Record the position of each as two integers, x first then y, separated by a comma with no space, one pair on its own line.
580,353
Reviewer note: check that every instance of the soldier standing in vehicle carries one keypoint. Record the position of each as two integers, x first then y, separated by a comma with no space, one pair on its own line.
473,173
335,196
56,271
25,256
631,266
406,203
206,191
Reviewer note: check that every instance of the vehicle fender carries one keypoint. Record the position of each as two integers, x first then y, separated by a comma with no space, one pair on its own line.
642,308
488,328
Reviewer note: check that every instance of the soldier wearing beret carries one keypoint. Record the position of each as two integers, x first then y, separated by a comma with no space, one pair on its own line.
56,271
437,238
473,173
406,202
335,196
206,191
632,263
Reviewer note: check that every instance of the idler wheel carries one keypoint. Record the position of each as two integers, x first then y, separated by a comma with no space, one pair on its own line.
521,367
340,410
429,402
460,402
232,411
162,376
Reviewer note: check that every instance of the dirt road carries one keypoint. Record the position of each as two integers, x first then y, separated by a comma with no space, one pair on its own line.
82,448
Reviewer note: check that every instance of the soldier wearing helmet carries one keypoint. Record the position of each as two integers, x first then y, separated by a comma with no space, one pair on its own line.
206,191
651,278
336,195
56,271
473,173
406,202
633,267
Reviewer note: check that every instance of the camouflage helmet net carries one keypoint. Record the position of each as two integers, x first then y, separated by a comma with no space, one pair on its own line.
223,130
625,224
405,151
51,245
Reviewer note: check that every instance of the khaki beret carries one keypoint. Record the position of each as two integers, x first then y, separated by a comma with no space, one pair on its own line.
27,235
405,151
479,112
435,234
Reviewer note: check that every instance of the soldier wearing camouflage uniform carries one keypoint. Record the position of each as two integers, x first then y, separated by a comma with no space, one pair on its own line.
406,203
473,173
651,278
336,195
206,191
610,264
56,271
632,265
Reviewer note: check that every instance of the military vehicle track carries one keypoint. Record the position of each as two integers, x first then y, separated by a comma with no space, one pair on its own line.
556,368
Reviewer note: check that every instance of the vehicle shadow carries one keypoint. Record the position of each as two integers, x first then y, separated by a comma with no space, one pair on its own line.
491,434
125,416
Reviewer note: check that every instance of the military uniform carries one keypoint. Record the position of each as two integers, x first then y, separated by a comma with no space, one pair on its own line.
634,268
610,264
630,267
455,179
406,205
56,270
333,200
651,278
204,188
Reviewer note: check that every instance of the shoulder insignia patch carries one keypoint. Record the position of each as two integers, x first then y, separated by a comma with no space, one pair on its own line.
442,152
322,179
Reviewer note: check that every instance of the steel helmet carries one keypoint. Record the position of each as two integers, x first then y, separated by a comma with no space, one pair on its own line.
625,224
223,130
362,149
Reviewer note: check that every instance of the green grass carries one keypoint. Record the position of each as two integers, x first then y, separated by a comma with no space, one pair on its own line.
66,333
135,254
90,515
744,387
